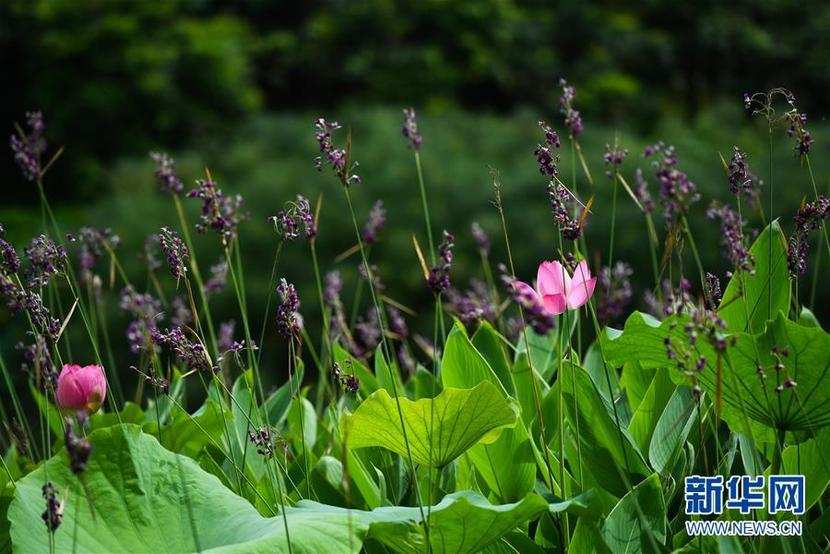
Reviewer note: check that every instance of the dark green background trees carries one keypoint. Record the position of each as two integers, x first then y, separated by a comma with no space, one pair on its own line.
168,72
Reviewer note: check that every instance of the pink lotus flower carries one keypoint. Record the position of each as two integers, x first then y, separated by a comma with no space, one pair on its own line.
557,290
81,388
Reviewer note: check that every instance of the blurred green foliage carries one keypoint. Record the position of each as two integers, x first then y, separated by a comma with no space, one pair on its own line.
166,72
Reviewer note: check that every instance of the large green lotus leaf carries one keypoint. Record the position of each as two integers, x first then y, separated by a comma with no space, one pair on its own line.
148,499
672,429
638,521
489,344
439,430
545,350
462,522
652,402
188,434
810,460
388,376
463,366
608,451
507,465
803,408
643,341
751,298
745,398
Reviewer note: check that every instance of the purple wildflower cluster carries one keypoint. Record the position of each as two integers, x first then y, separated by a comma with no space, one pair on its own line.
338,158
166,173
192,354
798,129
152,379
615,289
333,285
410,128
77,448
472,305
218,278
295,219
671,301
181,316
641,191
573,120
545,153
808,218
46,259
221,214
367,334
732,236
37,360
150,254
481,238
348,381
53,515
225,340
289,322
741,180
374,224
261,439
9,260
94,244
145,309
176,252
677,192
703,324
535,314
738,172
397,323
761,103
779,355
561,205
712,292
372,275
439,275
28,148
613,157
399,327
21,298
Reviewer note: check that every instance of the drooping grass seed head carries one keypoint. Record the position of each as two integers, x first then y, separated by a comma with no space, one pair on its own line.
53,515
78,448
29,146
289,322
573,119
615,291
561,206
677,191
165,172
613,157
732,236
374,223
410,128
545,153
46,259
809,218
175,251
439,275
220,214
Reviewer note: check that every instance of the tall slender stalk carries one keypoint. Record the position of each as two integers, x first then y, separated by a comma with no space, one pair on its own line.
385,346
